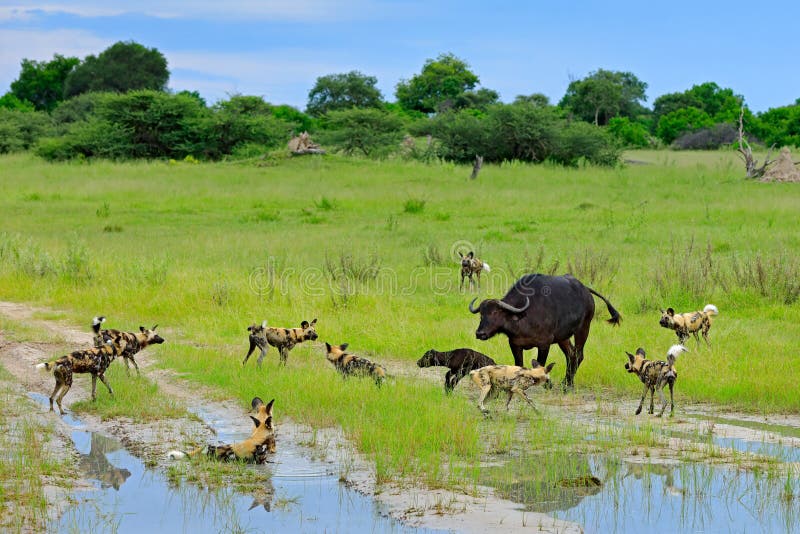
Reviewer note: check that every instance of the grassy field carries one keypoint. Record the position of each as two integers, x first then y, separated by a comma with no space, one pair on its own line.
369,249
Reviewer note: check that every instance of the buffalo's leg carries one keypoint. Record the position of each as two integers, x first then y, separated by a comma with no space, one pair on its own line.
517,351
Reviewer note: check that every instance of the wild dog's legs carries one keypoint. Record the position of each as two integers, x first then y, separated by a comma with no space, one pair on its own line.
284,354
264,350
671,384
641,402
660,387
478,278
706,328
94,387
485,389
253,346
59,385
521,392
652,398
64,390
128,368
461,286
103,379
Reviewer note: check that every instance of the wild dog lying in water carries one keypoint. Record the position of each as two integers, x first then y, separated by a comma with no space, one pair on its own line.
94,360
509,378
135,341
655,375
460,362
689,323
254,449
284,339
349,364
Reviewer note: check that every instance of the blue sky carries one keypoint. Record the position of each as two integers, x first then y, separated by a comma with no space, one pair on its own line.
278,49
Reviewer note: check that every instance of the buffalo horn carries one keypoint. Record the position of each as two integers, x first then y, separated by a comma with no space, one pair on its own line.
509,307
474,310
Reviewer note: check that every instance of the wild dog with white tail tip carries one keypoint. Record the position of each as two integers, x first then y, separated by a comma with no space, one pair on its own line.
512,379
284,339
689,323
470,265
253,450
135,341
94,360
349,364
655,375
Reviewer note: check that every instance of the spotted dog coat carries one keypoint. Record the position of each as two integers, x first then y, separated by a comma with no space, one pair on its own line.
284,339
470,265
94,360
252,450
460,362
135,341
689,323
512,379
349,364
655,375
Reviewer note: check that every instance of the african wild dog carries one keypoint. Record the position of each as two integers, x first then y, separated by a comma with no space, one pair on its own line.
284,339
349,364
689,323
655,375
509,378
460,362
254,449
135,341
94,360
470,265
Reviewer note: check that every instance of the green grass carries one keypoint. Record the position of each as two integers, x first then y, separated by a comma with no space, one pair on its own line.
205,250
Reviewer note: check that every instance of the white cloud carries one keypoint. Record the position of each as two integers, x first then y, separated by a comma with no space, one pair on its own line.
303,10
42,45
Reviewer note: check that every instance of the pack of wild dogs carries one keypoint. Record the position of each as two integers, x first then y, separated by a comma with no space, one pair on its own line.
537,312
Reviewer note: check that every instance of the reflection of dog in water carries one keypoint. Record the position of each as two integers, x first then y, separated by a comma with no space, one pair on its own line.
640,470
96,465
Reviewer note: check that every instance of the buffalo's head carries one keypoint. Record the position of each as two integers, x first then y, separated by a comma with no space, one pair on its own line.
495,316
429,359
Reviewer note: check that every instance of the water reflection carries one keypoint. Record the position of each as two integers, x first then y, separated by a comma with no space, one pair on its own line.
95,464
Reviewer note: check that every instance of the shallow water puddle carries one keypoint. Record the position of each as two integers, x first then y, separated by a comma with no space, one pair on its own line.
304,495
642,497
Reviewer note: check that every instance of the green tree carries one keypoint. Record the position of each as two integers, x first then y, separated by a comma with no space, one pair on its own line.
681,121
535,99
122,67
721,105
438,86
343,91
479,99
10,101
605,94
630,134
778,126
42,82
19,130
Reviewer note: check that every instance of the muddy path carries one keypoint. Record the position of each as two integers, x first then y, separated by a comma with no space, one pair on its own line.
414,506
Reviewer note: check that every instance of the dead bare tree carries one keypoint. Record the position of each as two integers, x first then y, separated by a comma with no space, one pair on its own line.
750,163
476,168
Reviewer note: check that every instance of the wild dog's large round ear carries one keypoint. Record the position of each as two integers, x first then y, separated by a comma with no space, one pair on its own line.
471,255
328,346
631,357
460,254
314,322
304,325
255,421
344,346
256,402
154,327
549,367
142,329
269,407
641,352
670,312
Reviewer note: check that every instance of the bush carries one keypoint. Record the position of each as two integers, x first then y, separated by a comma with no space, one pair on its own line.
707,138
583,141
523,131
629,134
19,130
461,135
678,122
373,132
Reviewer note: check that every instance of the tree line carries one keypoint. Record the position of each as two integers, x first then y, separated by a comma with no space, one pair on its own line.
116,105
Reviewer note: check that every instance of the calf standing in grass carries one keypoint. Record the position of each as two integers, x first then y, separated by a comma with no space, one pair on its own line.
134,341
655,375
470,265
349,364
94,360
284,339
512,379
254,449
460,362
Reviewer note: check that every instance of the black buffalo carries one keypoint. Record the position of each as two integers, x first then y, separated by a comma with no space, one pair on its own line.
540,310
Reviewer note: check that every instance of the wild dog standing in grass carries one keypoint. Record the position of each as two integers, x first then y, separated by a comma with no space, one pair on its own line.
135,341
655,375
470,265
254,449
349,364
94,360
512,379
689,323
460,362
284,339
